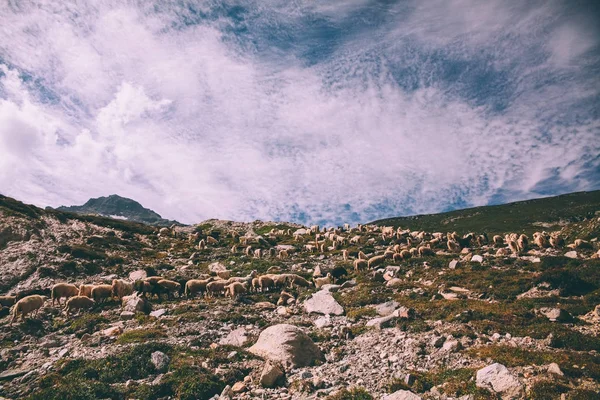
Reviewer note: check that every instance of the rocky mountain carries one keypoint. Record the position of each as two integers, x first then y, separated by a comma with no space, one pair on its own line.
118,207
248,310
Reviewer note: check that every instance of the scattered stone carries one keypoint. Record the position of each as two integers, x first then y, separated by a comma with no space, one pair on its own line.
160,361
158,313
331,287
553,368
477,258
138,275
11,374
322,322
395,282
287,344
217,267
453,264
348,284
239,387
237,337
402,395
323,302
135,303
386,308
127,315
271,374
265,305
498,378
556,314
571,254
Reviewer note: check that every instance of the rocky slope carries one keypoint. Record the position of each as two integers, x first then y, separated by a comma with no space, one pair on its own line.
478,323
118,207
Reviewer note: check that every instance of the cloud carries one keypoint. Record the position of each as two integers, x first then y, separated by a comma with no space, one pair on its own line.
297,111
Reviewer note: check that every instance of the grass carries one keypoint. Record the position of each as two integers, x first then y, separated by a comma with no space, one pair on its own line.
351,394
141,335
456,383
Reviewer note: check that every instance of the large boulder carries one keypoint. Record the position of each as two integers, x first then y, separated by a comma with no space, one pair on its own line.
135,303
323,302
497,378
217,267
287,344
402,395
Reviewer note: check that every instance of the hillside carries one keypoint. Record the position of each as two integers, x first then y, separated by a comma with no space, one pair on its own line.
232,310
527,216
118,207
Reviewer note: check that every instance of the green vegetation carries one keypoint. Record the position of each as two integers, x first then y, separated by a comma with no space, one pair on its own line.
512,217
140,335
351,394
456,383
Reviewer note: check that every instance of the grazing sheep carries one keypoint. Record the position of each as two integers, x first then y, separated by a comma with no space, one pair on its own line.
426,251
216,288
284,298
7,301
102,292
248,251
453,246
512,245
281,280
121,288
556,240
265,283
26,305
65,290
397,257
211,240
297,280
78,303
582,244
202,244
85,290
375,261
389,254
345,254
283,254
540,240
360,264
224,274
234,249
194,286
523,242
255,284
414,252
169,286
272,252
405,254
504,251
235,290
319,282
498,241
338,272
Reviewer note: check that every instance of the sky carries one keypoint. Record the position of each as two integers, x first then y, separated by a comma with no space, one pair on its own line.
305,111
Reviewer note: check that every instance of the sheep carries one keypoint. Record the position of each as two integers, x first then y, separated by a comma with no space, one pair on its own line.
375,261
360,264
121,288
389,254
211,240
78,302
85,290
281,280
215,288
523,242
169,286
284,298
224,274
320,282
338,272
581,244
283,254
266,283
310,248
512,245
26,305
540,240
272,252
556,240
248,251
498,241
235,290
7,301
65,290
453,246
194,286
297,280
102,292
362,255
255,284
202,244
425,251
503,251
345,254
234,249
397,257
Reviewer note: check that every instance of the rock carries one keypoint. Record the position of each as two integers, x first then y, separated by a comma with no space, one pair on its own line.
498,378
330,287
11,374
323,302
160,361
555,369
386,308
127,315
571,254
283,311
348,284
112,331
395,282
386,321
135,303
239,387
237,337
477,258
438,341
138,275
317,272
270,375
158,313
402,395
265,305
451,345
556,314
224,274
322,322
287,344
217,267
453,264
63,352
226,393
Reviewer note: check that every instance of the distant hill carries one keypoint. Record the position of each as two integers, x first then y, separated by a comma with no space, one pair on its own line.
523,216
118,207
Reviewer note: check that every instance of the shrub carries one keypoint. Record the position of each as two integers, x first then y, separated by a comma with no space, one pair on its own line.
351,394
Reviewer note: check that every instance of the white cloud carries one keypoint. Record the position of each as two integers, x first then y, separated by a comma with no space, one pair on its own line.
198,122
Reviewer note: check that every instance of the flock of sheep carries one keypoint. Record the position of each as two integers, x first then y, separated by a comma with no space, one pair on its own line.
401,245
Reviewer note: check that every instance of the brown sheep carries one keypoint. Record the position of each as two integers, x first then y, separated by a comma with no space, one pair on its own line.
284,298
121,288
265,283
426,251
389,254
362,256
512,245
581,244
453,246
169,286
7,301
255,284
556,240
283,254
523,242
375,261
26,305
320,282
540,240
297,280
360,264
194,286
235,290
102,292
414,252
85,290
78,303
65,290
498,241
202,244
211,240
345,254
215,288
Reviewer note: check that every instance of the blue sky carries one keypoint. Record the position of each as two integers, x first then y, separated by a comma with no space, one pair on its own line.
326,112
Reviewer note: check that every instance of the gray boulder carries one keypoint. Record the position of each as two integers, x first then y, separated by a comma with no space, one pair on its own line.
323,302
497,378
